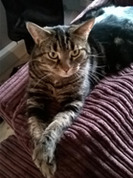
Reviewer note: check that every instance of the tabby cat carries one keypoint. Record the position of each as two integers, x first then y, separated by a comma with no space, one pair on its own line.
66,63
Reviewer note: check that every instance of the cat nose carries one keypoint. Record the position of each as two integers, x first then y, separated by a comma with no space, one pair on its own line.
66,68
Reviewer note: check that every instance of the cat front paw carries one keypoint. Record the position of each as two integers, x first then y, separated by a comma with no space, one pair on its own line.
44,158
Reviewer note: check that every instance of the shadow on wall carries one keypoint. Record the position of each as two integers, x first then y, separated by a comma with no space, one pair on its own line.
4,40
14,53
77,5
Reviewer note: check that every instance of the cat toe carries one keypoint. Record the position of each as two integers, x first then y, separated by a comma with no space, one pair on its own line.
48,170
43,157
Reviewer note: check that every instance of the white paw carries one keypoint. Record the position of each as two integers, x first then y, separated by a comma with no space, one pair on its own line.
44,158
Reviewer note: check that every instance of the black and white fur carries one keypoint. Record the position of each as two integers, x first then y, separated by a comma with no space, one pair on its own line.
60,80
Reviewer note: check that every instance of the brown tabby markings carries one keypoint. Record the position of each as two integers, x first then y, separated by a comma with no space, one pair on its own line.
58,84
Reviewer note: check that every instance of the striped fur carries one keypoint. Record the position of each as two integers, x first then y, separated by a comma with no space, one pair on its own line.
65,65
57,87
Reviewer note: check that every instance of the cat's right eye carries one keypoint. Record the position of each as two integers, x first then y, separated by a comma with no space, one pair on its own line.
53,55
75,53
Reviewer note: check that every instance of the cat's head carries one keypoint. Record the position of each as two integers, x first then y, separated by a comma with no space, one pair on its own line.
61,50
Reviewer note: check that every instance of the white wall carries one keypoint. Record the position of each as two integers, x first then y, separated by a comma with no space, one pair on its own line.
11,52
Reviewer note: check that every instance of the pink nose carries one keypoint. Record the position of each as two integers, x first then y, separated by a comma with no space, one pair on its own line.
66,68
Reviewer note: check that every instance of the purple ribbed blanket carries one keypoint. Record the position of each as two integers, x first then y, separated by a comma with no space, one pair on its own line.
99,144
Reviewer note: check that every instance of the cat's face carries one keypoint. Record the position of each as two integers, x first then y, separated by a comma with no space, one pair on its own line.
61,50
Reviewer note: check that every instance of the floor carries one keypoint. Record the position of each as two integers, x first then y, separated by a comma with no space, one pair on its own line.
5,129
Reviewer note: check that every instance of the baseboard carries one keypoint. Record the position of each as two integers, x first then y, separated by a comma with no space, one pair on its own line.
10,56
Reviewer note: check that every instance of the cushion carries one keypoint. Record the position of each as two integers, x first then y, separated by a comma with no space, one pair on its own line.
99,143
15,162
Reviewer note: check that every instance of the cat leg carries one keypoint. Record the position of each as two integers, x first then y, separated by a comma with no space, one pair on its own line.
38,120
39,157
44,153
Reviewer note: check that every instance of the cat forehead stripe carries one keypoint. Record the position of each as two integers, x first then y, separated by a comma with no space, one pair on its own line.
63,39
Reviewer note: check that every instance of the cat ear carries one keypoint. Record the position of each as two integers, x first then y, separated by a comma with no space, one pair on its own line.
85,28
38,33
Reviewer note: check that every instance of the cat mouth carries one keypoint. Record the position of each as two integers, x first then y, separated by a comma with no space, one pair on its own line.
66,74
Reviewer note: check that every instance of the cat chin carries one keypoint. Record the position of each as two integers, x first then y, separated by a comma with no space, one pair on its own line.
64,75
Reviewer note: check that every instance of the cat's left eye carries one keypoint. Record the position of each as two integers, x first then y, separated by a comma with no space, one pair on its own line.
75,53
53,55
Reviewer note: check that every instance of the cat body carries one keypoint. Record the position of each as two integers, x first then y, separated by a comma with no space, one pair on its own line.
66,63
113,29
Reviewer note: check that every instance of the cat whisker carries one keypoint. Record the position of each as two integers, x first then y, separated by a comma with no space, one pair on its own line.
99,67
93,55
77,74
100,74
39,80
92,80
99,55
94,77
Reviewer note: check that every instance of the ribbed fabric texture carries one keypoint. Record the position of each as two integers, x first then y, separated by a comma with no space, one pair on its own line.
15,162
12,91
98,145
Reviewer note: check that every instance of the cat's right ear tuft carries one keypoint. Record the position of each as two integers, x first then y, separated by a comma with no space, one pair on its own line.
36,32
85,28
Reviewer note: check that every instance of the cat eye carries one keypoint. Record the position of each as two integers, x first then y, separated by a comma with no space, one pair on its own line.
53,55
75,53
